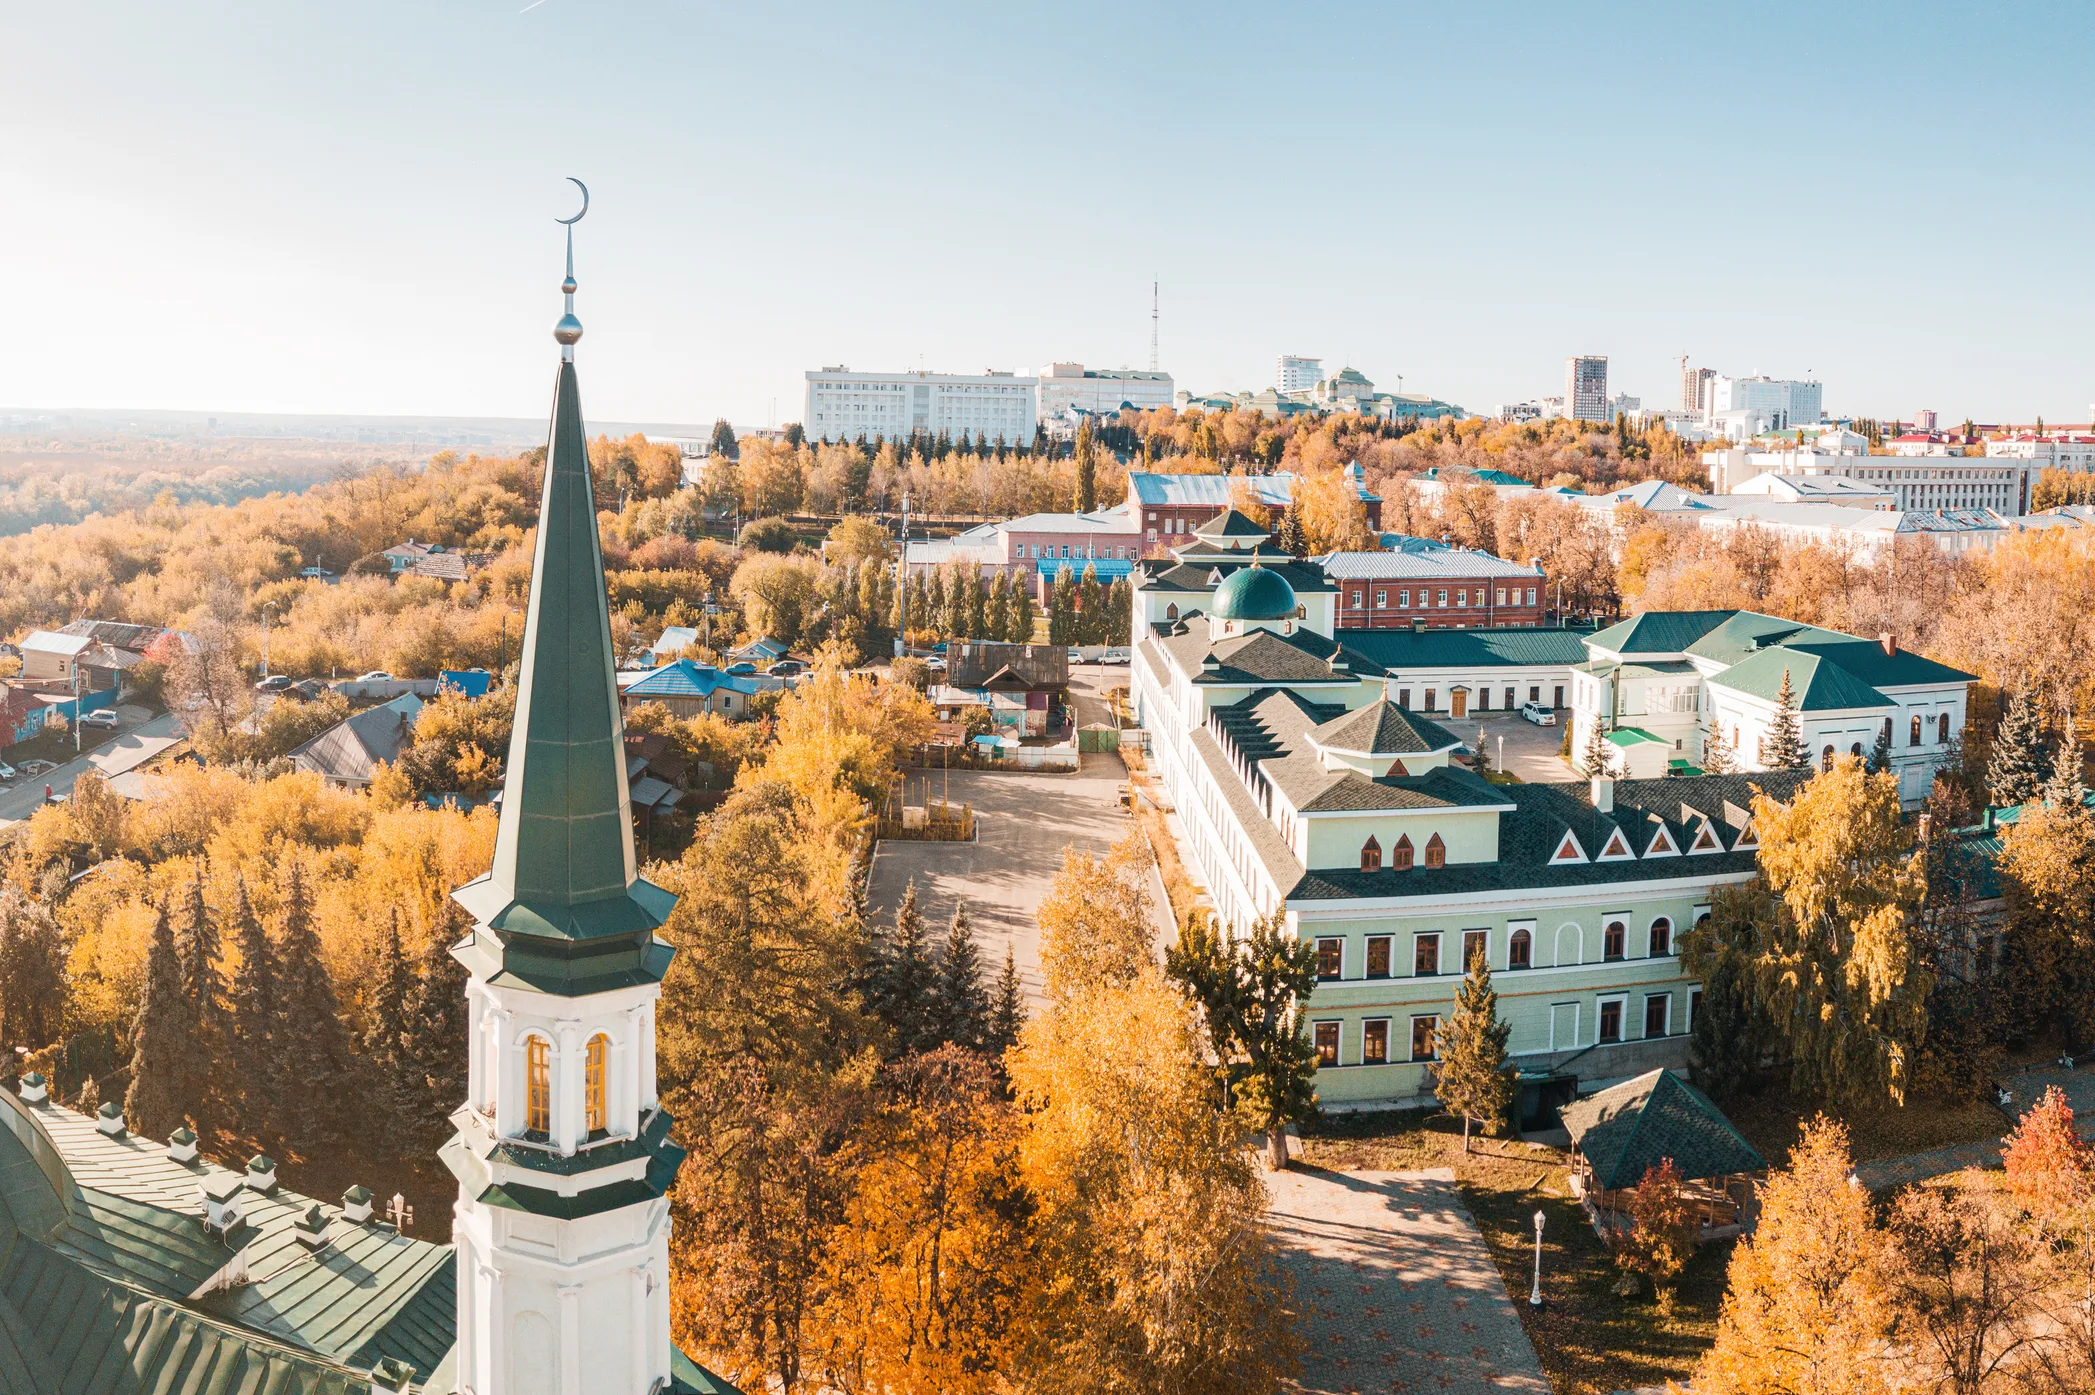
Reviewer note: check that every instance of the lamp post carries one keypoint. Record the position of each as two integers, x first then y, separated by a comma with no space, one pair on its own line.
1535,1293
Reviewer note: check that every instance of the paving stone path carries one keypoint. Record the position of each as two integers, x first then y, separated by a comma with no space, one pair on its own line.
1398,1292
2025,1088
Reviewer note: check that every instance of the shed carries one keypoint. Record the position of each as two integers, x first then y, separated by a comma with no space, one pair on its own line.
1620,1133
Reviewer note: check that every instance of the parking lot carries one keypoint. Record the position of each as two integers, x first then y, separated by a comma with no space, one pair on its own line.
1530,751
1024,821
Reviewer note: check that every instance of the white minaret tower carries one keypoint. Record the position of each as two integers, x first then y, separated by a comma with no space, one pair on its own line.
562,1155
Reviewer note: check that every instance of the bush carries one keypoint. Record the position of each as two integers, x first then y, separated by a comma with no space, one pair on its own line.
768,535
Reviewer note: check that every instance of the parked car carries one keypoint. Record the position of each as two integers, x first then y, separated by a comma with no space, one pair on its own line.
935,664
375,676
274,683
34,768
785,668
102,718
1115,656
315,573
8,772
1538,714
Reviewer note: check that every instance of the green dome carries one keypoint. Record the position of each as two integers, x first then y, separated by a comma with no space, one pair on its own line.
1254,593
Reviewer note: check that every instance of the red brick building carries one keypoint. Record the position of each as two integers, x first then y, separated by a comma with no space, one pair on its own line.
1167,508
1435,585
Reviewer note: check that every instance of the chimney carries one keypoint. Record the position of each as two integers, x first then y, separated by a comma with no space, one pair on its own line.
1604,794
221,1199
1418,624
261,1174
1888,642
356,1205
181,1145
35,1089
311,1228
391,1377
110,1121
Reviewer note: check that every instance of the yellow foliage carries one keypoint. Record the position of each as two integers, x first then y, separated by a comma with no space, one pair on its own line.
1095,923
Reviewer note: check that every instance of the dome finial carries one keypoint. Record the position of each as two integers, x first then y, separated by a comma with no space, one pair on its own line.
569,329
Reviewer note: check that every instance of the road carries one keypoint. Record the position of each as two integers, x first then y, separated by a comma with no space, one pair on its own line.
126,751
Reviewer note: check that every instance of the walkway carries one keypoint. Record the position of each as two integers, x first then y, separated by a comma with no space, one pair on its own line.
2027,1087
126,751
1396,1289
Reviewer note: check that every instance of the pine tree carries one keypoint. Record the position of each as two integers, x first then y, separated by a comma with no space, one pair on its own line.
1782,744
997,625
962,1009
196,945
1062,608
252,1015
1472,1077
2065,789
1021,631
309,1026
1290,536
384,1043
905,987
1717,756
434,1046
1087,470
1598,758
1880,753
1007,1013
1731,1032
161,1042
2015,765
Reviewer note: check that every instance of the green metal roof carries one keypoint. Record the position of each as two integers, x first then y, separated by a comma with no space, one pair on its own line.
563,871
1817,684
1627,737
1660,631
1507,647
1633,1127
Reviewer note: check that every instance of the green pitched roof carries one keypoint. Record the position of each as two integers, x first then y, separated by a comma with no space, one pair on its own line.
1627,737
1631,1128
1817,684
562,898
1659,631
1508,647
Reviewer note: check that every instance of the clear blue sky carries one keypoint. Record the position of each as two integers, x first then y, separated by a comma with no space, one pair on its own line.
347,207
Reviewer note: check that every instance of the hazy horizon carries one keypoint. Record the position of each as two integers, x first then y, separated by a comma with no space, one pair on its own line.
347,211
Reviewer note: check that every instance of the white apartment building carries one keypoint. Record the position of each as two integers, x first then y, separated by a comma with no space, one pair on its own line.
1694,388
1586,387
1913,482
844,405
2049,452
1295,373
1622,404
1067,385
1743,408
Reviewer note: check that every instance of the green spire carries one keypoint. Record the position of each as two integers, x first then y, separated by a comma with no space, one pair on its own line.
567,910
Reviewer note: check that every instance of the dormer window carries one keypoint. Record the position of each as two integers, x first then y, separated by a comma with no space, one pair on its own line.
1568,849
1705,840
1617,847
1171,611
1436,852
1400,855
1371,855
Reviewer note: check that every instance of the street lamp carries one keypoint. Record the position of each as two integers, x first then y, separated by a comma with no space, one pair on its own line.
1535,1293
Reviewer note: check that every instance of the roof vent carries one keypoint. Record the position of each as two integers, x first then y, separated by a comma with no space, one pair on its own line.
1418,624
1604,794
220,1193
261,1174
391,1377
1339,666
356,1205
311,1228
181,1145
1889,643
35,1089
110,1120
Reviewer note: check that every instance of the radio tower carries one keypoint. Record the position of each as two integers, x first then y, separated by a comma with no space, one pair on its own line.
1152,326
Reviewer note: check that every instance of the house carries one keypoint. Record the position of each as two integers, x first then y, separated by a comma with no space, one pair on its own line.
763,651
1035,549
1657,684
348,753
440,564
49,656
688,688
675,639
401,556
1421,582
1623,1132
1023,684
1454,672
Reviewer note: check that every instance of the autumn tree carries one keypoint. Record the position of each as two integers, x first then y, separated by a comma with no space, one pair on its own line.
1662,1233
1838,960
1472,1075
2047,866
1968,1281
1085,498
32,970
1807,1310
162,1043
1095,920
2065,788
2050,1167
1782,744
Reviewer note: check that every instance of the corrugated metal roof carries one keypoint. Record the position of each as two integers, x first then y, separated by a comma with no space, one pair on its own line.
1397,650
1440,563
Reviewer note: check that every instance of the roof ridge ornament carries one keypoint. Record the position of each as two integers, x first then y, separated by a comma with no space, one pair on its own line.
569,329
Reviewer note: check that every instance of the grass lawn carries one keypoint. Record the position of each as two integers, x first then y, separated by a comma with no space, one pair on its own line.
1589,1340
1772,1119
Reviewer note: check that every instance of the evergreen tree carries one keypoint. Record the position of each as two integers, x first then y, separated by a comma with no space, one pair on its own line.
723,440
1782,744
433,1048
252,1015
905,986
1021,629
1880,752
1472,1076
1717,756
384,1043
1087,470
2015,765
1290,535
962,1007
2065,789
1007,1012
309,1026
162,1042
997,625
196,945
1730,1034
1062,608
1091,607
1598,757
32,972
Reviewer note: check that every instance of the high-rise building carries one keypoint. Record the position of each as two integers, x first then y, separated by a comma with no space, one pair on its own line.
1586,387
1745,407
1694,387
1066,385
843,405
1297,374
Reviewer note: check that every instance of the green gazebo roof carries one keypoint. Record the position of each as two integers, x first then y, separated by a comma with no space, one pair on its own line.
1628,1129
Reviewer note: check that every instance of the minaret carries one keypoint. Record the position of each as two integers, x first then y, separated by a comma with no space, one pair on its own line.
562,1154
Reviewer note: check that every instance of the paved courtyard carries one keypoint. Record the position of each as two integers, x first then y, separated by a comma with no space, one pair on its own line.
1395,1285
1023,822
1530,751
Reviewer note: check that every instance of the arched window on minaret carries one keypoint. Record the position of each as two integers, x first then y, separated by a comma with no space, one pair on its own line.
538,1085
595,1104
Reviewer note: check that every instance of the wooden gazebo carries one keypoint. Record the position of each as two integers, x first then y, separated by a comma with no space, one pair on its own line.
1620,1133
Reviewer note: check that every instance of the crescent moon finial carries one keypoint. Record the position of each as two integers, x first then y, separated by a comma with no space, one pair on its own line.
585,202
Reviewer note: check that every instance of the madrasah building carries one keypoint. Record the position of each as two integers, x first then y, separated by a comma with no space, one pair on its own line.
132,1264
1308,786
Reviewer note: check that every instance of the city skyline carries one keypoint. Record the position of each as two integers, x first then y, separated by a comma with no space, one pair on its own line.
345,213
